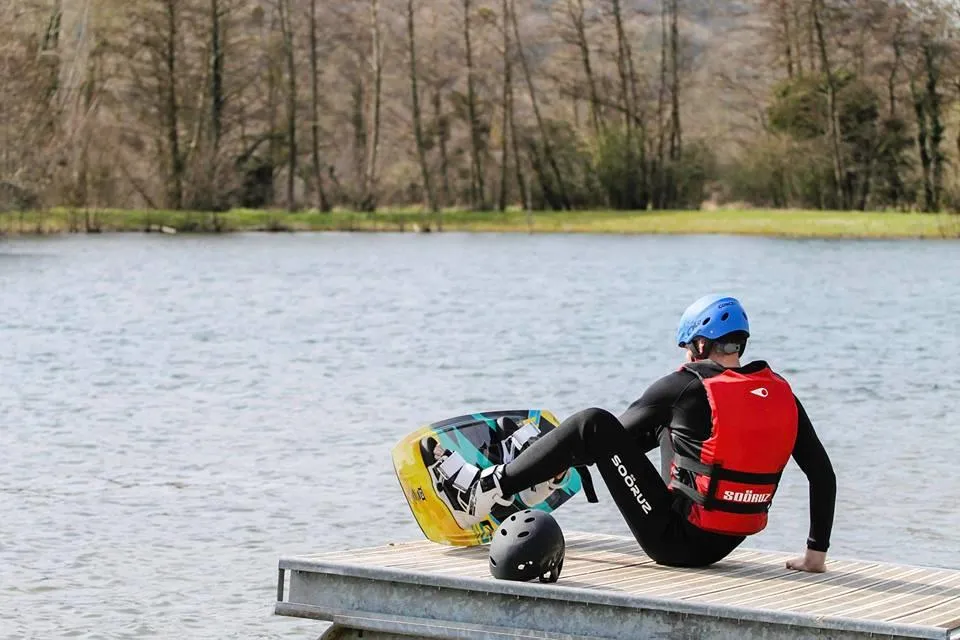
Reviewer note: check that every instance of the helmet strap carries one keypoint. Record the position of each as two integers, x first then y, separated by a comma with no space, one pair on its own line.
736,347
698,353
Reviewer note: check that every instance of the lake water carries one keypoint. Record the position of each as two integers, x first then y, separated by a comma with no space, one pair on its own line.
177,412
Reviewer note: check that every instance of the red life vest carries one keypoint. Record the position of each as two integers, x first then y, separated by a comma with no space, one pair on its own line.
752,436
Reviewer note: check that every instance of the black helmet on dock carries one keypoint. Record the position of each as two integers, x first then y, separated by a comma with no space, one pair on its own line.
529,544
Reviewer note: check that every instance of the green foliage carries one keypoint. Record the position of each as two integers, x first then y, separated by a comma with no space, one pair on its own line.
695,169
799,108
619,163
893,163
578,187
782,172
874,153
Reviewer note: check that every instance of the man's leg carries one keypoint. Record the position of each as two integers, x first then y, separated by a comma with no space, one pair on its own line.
595,436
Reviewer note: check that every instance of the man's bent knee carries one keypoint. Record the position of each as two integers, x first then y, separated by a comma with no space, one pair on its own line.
599,417
599,432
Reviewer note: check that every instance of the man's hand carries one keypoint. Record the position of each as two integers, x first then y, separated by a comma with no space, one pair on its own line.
811,562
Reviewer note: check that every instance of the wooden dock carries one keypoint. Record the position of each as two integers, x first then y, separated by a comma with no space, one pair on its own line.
610,589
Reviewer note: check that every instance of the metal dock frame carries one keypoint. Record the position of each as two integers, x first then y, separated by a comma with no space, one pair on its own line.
448,597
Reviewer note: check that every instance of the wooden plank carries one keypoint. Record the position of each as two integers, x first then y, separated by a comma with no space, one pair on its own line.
904,598
774,579
780,582
673,579
787,596
916,601
944,614
865,588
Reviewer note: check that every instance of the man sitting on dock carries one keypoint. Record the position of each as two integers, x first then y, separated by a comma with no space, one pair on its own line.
726,432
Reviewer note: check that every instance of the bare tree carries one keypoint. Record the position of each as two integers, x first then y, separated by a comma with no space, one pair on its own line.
417,125
203,103
833,118
506,106
541,125
577,14
478,189
323,204
286,29
369,202
676,135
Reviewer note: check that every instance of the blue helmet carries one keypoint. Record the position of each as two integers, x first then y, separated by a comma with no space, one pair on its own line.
712,317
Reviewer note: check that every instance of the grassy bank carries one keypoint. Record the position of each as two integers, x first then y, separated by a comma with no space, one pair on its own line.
812,224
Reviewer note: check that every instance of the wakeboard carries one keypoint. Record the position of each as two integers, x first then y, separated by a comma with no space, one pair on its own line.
427,463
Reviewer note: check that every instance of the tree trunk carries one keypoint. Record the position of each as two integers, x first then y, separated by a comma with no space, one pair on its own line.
894,68
515,141
659,200
866,183
417,126
798,35
787,36
440,124
51,36
505,107
286,28
541,125
478,188
628,90
839,174
273,107
932,65
576,11
217,102
360,136
957,88
676,131
370,181
517,161
217,99
625,93
921,112
172,108
323,204
623,197
640,199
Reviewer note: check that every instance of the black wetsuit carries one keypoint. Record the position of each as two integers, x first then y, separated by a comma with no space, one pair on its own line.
656,516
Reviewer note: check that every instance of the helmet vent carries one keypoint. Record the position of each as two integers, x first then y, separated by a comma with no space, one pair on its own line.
529,520
513,518
705,321
724,317
503,531
523,534
493,562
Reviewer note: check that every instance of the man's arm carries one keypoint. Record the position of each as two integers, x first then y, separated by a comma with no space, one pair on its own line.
813,460
653,409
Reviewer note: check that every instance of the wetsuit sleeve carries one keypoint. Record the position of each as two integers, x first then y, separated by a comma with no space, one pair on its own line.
653,409
812,458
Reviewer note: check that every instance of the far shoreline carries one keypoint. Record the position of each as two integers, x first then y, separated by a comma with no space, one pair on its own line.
787,223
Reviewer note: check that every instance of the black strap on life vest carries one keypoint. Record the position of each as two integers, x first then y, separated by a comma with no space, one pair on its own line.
716,473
